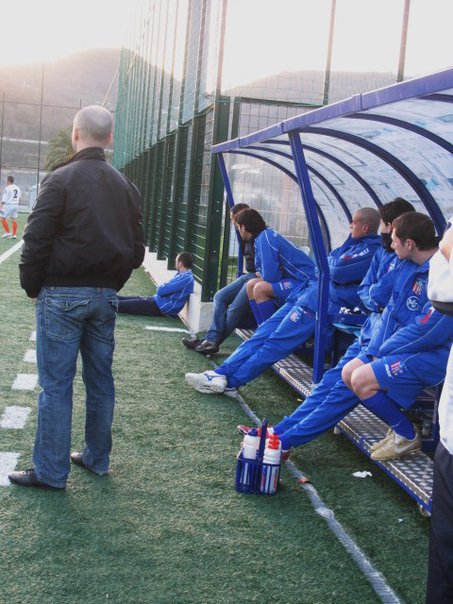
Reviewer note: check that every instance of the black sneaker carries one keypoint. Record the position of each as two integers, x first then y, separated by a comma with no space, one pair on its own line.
207,347
191,344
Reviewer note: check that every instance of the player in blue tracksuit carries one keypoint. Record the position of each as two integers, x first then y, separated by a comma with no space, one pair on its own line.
169,298
410,349
283,269
331,399
288,328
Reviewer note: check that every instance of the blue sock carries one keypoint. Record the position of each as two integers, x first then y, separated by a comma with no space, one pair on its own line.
387,410
255,311
266,309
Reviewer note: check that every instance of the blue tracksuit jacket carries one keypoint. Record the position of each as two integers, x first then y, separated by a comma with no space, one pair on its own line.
376,289
348,265
430,331
171,296
276,258
409,296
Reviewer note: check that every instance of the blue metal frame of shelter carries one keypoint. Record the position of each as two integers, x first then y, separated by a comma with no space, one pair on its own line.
396,141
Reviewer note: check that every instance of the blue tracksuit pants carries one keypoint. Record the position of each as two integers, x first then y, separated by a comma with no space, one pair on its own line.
288,328
329,402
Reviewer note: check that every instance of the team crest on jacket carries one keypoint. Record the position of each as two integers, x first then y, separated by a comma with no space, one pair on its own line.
295,316
413,303
419,285
396,368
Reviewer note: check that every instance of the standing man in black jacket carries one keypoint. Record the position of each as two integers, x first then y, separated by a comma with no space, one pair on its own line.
82,241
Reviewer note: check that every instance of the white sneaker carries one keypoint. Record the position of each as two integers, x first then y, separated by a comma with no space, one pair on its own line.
13,237
7,236
207,382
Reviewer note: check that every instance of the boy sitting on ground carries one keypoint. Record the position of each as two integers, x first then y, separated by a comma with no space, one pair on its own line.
169,298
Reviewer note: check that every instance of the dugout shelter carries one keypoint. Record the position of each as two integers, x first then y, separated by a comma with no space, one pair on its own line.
363,151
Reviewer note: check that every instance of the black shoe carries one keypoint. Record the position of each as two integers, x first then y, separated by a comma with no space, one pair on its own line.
191,344
207,347
77,459
27,478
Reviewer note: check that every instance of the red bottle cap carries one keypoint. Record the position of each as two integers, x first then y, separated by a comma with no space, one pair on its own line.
274,441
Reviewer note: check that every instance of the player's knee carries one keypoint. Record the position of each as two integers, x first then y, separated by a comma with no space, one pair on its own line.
250,287
346,375
359,383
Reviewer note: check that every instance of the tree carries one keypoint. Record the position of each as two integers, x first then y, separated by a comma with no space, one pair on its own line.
60,148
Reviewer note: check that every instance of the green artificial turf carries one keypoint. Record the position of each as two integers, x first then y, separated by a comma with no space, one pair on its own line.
167,526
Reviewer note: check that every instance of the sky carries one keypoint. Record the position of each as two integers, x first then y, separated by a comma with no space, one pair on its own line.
48,30
367,37
263,38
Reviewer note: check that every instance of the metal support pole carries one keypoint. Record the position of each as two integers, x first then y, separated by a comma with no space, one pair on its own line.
319,251
40,128
230,198
402,59
325,100
1,135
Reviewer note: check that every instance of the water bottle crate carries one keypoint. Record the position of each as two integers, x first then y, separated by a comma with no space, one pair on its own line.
255,473
256,476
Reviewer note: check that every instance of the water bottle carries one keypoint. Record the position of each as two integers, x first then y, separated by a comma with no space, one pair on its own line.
250,446
271,465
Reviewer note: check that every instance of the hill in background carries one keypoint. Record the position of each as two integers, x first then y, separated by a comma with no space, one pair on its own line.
87,77
80,79
308,86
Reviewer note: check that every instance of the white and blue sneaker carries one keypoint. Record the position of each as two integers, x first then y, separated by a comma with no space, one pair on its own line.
207,382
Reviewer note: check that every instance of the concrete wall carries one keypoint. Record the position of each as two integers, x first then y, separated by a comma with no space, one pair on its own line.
196,314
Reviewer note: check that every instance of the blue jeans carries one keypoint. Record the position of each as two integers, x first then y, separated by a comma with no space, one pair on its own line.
69,320
230,305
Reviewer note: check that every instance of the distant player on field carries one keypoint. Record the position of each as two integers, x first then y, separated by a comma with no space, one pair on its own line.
10,203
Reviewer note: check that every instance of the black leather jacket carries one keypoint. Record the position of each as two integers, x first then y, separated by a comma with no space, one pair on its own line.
85,229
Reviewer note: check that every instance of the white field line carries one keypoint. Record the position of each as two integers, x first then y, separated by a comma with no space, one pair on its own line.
33,336
14,417
11,251
382,589
25,381
176,329
30,356
8,462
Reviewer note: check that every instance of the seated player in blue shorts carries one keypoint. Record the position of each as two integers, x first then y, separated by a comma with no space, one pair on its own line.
410,350
331,399
282,268
169,298
289,327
